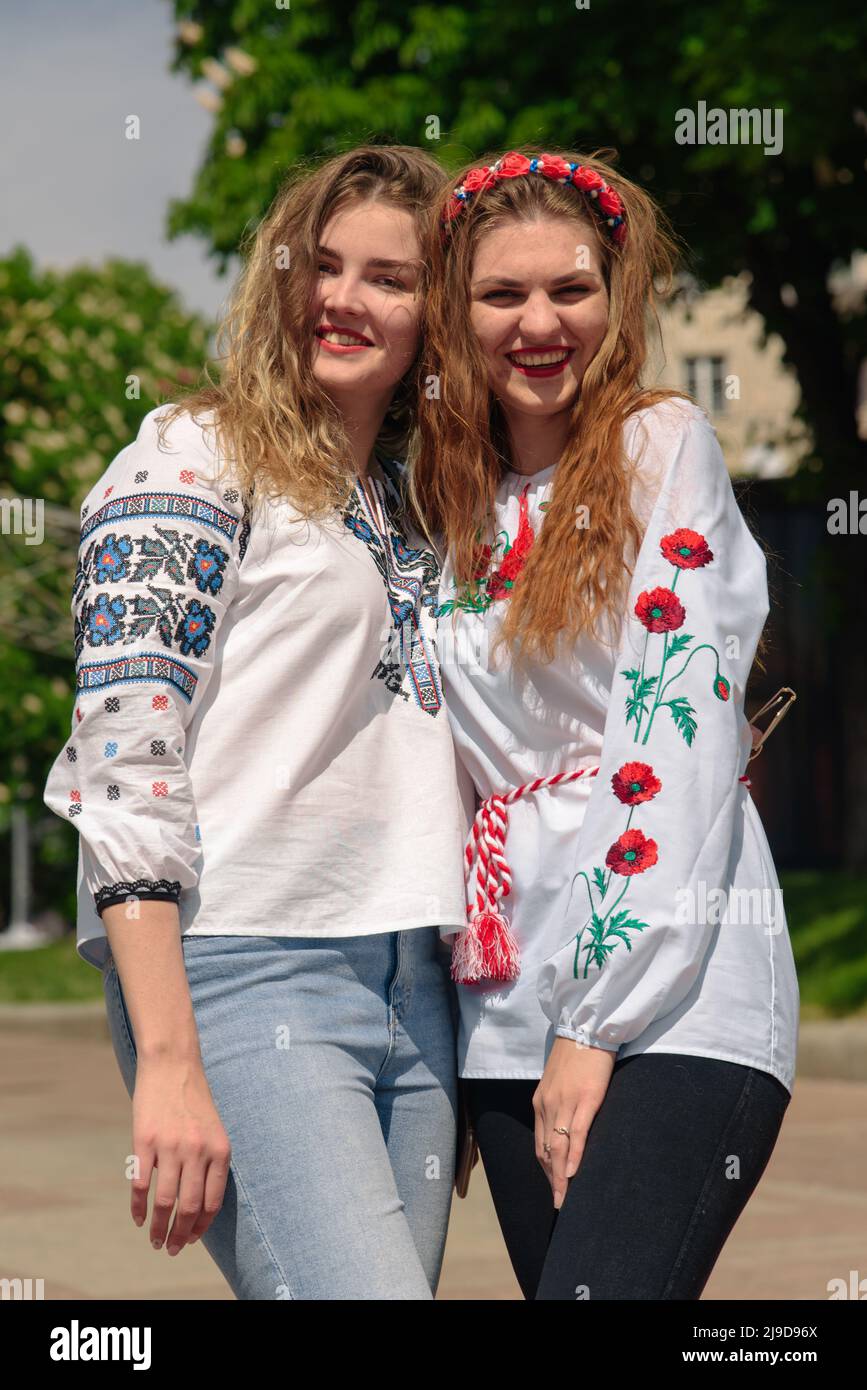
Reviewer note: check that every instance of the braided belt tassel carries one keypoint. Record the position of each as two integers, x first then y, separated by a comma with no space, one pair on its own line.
487,949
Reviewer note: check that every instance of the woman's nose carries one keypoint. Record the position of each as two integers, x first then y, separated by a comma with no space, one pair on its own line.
342,295
539,316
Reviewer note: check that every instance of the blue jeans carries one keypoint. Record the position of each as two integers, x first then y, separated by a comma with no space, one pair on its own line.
332,1067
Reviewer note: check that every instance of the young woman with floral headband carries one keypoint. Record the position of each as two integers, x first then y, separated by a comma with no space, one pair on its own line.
262,773
628,995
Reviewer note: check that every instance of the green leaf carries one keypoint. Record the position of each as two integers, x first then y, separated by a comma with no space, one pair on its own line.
634,708
683,713
678,643
599,880
632,924
597,926
631,675
645,687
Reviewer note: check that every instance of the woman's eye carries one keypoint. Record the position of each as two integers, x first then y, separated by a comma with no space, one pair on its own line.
391,282
511,294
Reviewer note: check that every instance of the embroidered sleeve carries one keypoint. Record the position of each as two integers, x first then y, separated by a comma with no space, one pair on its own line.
161,542
648,883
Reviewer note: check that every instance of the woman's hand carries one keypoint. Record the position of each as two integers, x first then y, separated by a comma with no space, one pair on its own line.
571,1090
178,1132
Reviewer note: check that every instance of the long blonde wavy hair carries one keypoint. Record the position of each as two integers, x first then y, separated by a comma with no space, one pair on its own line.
572,576
278,430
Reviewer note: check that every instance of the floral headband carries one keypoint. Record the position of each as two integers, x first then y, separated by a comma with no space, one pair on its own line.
512,165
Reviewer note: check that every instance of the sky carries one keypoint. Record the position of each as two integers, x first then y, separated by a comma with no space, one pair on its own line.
74,188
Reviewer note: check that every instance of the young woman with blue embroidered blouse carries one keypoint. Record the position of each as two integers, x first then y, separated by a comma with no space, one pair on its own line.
263,776
628,997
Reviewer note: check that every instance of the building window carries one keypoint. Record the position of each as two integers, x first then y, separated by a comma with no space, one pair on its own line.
705,379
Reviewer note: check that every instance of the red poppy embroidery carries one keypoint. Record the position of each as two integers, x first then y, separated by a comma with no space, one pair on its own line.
479,596
686,549
633,853
660,610
635,783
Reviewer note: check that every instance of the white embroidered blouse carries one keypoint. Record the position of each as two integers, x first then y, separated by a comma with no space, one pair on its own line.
644,899
258,731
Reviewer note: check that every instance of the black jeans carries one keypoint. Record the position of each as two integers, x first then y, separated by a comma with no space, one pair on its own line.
672,1158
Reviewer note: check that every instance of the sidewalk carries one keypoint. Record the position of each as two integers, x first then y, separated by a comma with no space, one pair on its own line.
835,1049
65,1200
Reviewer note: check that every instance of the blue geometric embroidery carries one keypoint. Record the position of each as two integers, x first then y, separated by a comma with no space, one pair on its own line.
109,620
408,594
134,670
174,556
196,628
207,566
145,504
111,559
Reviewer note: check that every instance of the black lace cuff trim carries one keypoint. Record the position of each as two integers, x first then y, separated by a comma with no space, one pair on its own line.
148,889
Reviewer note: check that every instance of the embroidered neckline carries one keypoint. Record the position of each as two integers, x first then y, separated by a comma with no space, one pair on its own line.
410,576
490,584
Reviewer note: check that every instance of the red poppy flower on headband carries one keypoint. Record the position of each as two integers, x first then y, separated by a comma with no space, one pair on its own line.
610,203
635,782
513,164
632,853
660,610
686,549
478,178
587,179
553,167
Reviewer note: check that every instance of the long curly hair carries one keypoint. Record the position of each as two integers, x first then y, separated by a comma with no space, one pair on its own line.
278,431
573,577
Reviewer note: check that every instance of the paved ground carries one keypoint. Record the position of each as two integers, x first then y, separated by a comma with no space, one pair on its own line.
64,1213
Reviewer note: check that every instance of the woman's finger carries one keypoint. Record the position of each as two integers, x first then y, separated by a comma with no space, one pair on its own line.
191,1194
168,1177
145,1158
581,1122
216,1178
567,1131
541,1134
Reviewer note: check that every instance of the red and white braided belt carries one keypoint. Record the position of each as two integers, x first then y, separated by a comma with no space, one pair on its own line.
487,949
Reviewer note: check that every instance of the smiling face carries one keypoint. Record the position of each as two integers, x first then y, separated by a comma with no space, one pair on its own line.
539,307
365,307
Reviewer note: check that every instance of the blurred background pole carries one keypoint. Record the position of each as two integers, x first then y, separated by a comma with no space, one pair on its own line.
20,894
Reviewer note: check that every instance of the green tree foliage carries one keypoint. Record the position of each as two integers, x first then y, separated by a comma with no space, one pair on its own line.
84,353
305,79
